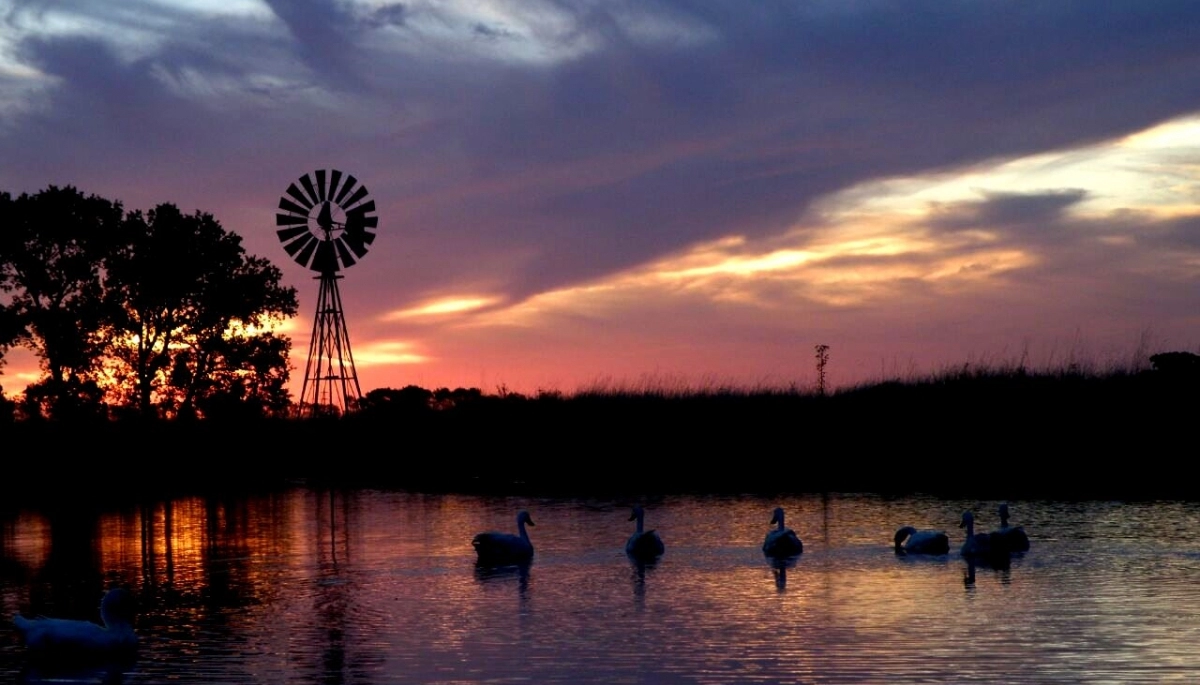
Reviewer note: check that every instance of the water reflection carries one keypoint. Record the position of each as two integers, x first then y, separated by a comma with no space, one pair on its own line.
779,568
374,587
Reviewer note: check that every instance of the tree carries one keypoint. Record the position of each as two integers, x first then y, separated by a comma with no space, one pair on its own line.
193,308
164,312
52,254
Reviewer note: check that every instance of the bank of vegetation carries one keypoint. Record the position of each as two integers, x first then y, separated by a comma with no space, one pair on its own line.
985,432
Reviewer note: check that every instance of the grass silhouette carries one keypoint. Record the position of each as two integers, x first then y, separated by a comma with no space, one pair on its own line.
1002,430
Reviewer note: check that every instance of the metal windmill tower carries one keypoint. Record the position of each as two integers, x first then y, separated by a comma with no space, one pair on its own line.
327,223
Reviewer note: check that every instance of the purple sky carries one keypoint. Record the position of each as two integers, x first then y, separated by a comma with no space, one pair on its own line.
658,193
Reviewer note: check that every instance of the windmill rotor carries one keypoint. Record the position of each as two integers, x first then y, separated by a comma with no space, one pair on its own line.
326,220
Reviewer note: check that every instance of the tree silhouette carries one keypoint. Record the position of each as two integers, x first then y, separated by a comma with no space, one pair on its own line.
52,254
188,293
162,312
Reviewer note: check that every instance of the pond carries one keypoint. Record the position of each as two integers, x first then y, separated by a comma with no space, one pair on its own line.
368,586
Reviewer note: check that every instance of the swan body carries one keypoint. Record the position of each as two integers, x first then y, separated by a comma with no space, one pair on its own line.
1012,538
921,541
505,548
643,545
982,546
73,638
781,542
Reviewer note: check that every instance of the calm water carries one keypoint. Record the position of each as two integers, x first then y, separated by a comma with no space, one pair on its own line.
382,587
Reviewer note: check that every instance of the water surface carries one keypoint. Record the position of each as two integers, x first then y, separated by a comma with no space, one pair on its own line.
382,587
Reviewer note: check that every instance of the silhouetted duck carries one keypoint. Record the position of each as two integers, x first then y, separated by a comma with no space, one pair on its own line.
921,541
73,639
1011,539
643,545
505,548
781,542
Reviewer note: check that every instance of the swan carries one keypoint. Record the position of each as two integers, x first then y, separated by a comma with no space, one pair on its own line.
643,545
69,637
984,546
505,548
921,541
1012,539
781,542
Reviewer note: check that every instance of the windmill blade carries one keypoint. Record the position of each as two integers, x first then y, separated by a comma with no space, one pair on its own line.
305,255
287,205
358,195
308,185
290,220
286,235
343,253
297,245
334,177
299,196
320,185
350,181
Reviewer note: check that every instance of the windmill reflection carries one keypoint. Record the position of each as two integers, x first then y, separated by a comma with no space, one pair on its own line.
333,597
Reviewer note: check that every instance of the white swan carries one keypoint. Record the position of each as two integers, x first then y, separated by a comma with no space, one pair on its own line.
1012,539
72,638
781,542
921,541
643,545
505,548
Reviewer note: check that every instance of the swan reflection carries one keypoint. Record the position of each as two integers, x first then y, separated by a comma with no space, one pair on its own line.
1001,566
499,574
638,568
779,568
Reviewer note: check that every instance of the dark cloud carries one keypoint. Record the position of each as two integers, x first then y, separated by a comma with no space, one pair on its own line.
388,15
631,131
1010,213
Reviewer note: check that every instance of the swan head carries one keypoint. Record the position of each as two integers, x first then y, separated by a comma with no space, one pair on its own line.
777,516
523,518
637,514
903,533
968,520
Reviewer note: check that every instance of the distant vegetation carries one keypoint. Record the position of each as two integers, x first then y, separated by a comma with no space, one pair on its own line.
991,432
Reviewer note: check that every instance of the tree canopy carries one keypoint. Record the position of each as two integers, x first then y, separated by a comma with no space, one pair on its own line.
162,313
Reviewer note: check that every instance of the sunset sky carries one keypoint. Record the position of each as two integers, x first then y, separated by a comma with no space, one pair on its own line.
577,193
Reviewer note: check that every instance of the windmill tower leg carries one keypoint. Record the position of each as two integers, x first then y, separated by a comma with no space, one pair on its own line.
330,380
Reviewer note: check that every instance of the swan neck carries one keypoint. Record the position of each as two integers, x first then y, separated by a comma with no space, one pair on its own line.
640,522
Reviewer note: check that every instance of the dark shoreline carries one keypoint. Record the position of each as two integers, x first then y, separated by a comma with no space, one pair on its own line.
1001,436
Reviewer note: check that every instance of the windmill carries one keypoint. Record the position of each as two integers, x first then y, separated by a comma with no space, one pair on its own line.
327,223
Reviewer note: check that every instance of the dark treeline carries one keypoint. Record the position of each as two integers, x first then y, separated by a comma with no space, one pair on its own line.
991,434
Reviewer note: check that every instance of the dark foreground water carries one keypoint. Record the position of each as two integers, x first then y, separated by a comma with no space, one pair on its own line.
382,587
